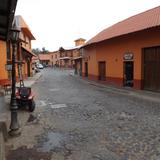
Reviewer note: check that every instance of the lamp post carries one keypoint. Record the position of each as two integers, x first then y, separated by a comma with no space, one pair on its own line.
14,126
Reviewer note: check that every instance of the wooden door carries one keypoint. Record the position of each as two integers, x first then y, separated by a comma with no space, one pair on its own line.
102,70
152,68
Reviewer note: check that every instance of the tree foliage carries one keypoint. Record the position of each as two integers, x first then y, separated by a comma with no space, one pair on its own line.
40,51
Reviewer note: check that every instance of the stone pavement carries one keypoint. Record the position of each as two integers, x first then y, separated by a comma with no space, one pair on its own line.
77,119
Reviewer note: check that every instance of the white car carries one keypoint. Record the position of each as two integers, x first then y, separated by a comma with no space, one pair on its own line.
40,66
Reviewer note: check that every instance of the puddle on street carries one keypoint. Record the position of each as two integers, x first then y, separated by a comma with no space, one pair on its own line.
51,141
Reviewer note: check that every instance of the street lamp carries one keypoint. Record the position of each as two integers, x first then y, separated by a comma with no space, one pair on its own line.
14,126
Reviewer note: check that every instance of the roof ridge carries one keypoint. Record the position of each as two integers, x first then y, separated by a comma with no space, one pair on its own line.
151,9
129,18
115,29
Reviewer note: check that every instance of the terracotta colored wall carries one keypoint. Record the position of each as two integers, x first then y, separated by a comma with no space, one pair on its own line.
3,72
91,58
53,57
112,51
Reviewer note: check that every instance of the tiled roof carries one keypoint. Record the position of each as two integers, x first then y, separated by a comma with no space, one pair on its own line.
142,21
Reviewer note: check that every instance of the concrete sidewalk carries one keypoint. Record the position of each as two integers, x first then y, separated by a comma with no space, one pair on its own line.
4,111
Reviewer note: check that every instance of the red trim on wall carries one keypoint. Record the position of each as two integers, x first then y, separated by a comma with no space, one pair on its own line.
137,84
118,82
93,77
115,81
4,81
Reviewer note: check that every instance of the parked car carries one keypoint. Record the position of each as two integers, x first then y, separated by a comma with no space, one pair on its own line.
40,66
45,65
37,69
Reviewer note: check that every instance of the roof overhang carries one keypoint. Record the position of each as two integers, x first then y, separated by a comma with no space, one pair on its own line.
64,58
7,11
144,21
76,58
28,52
28,32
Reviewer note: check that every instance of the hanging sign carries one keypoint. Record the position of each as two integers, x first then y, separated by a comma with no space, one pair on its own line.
128,56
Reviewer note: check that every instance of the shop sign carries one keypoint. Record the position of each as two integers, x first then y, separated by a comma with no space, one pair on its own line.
128,56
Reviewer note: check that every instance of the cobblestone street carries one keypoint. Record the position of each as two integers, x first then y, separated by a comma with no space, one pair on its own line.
78,120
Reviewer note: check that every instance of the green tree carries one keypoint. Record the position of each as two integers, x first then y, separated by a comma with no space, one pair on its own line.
44,50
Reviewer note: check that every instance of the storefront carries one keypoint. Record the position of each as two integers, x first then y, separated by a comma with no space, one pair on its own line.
126,56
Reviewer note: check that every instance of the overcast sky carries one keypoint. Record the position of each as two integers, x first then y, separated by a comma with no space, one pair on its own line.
56,23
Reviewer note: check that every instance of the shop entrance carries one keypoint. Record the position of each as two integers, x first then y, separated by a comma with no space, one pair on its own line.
128,73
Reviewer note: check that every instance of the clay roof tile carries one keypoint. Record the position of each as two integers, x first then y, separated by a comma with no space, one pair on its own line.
142,21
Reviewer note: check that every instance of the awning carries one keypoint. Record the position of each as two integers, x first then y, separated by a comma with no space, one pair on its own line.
7,11
28,52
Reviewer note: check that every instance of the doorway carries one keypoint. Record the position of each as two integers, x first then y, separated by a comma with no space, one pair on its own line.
151,68
102,70
86,69
128,73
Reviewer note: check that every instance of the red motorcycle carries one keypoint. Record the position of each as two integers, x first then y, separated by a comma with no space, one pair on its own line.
25,98
24,95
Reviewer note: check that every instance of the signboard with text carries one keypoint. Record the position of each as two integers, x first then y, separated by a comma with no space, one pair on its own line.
128,56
